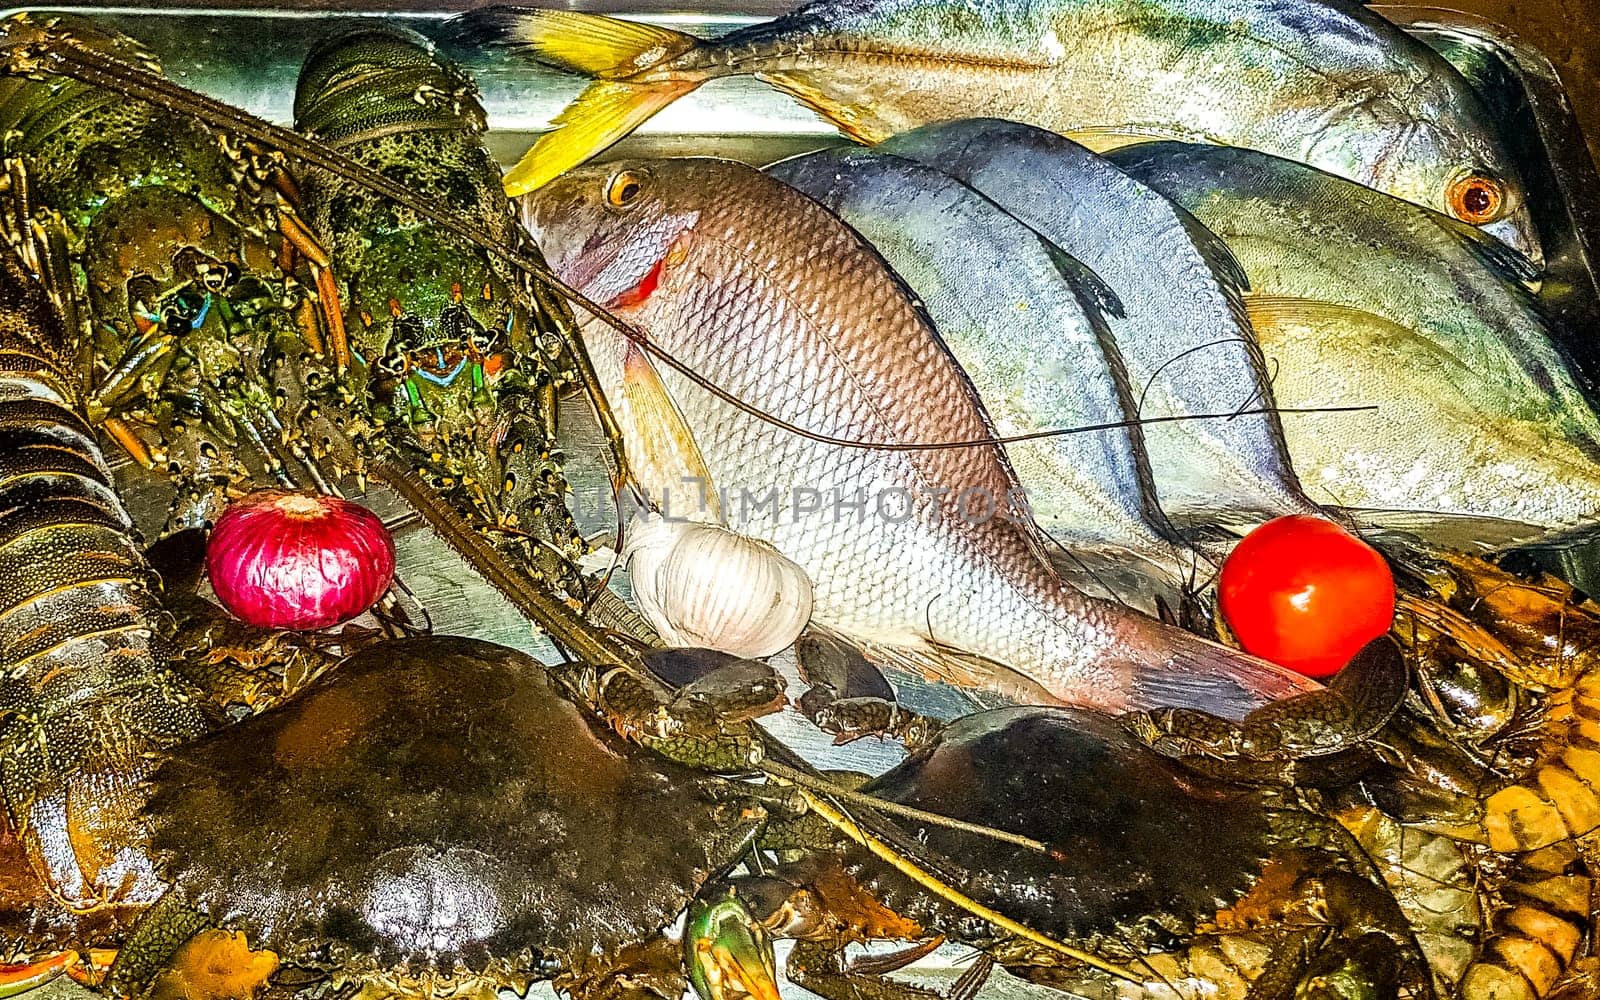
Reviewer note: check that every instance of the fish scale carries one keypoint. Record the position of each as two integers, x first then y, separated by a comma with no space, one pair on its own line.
1182,329
1024,332
771,297
1330,84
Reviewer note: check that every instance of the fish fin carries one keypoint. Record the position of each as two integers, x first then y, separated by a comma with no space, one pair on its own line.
1271,312
1103,138
854,121
1496,256
664,433
608,48
602,114
1099,301
1235,285
1212,678
1274,316
1084,278
972,673
1115,576
1214,252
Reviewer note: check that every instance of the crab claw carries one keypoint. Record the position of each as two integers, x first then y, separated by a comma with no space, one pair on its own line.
728,955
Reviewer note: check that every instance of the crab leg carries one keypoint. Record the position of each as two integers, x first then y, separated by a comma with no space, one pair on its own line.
933,883
1273,740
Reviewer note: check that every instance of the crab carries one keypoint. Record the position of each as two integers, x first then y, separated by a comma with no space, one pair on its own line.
437,817
1112,853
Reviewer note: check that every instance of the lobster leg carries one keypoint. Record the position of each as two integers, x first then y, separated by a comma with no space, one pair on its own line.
85,694
85,968
328,303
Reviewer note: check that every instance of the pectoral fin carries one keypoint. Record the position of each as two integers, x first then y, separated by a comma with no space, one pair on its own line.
662,435
1277,310
1275,317
1104,138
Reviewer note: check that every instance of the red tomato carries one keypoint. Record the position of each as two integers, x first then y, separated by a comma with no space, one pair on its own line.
1303,592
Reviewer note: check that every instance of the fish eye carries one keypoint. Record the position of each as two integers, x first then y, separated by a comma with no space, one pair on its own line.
623,188
1476,198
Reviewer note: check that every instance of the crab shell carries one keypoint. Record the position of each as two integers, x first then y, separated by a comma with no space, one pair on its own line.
439,803
1142,850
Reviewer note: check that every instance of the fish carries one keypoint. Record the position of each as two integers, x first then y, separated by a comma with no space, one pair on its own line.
1330,84
738,282
1184,336
1027,323
1480,428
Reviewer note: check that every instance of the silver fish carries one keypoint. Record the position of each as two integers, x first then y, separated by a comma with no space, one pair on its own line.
767,295
1184,336
1364,299
1027,323
1327,83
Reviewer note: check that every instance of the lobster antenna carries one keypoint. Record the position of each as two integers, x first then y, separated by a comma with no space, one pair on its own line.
555,617
847,825
824,787
58,54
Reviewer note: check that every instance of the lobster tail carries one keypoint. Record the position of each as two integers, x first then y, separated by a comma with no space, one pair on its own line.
84,693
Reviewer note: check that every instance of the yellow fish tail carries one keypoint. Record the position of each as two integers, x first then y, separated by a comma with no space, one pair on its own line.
601,115
592,44
613,51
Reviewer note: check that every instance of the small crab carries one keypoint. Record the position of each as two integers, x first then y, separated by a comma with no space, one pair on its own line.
437,817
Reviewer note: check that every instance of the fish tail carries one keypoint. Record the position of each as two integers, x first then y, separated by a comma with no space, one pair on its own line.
602,114
607,48
1197,673
613,51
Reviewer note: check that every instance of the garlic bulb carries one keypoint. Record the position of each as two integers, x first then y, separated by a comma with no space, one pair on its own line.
704,585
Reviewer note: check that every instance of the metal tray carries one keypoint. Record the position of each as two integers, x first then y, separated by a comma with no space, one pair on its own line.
251,58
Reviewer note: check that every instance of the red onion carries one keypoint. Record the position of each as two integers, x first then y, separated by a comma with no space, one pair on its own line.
298,560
